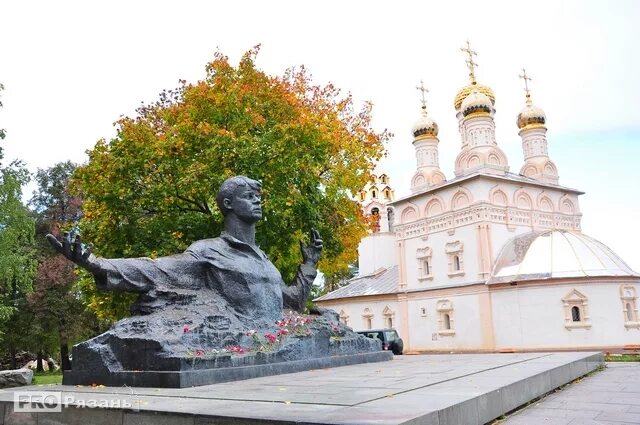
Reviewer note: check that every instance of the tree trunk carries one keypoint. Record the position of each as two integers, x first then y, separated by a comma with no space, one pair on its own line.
65,364
39,367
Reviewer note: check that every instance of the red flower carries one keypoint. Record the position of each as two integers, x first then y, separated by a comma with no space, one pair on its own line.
282,332
271,337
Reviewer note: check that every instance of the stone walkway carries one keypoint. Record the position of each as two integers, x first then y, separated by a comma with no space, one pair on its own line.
608,397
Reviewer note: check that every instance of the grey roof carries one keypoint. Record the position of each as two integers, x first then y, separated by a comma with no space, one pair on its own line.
508,176
556,254
382,281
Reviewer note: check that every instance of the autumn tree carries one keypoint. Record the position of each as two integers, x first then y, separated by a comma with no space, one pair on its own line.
56,301
151,189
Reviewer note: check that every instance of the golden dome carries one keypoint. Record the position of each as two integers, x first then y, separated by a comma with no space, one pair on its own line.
476,104
466,91
531,117
425,126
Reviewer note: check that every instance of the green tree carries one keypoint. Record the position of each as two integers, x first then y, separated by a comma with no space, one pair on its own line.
2,131
151,189
17,253
56,300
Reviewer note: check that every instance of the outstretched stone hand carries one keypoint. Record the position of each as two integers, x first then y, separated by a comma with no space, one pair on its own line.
71,247
311,253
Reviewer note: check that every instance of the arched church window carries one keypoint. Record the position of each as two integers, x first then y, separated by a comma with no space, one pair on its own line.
446,325
423,255
388,314
576,310
367,317
575,314
454,251
375,220
447,322
629,300
374,194
387,194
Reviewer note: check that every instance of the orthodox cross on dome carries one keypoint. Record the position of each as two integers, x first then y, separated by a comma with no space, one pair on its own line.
526,79
424,90
470,63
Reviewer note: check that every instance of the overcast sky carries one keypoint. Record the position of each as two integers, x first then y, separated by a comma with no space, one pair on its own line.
70,69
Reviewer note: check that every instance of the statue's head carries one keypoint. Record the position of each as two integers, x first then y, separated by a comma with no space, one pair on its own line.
240,195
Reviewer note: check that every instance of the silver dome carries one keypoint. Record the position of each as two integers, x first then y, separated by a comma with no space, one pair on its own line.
556,254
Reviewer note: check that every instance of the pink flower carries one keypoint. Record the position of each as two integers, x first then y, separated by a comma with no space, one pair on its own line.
199,353
235,349
185,329
282,332
271,337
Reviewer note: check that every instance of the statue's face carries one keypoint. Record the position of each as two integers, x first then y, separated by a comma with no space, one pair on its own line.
246,204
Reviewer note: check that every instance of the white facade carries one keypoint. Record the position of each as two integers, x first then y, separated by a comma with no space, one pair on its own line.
474,258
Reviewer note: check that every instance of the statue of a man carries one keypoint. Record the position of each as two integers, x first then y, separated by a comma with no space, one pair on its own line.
230,266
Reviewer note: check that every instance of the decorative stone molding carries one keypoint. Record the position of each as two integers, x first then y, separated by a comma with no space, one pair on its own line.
367,317
629,299
454,251
344,317
566,205
388,316
446,322
498,196
435,206
576,310
522,200
409,214
486,212
544,203
425,265
461,199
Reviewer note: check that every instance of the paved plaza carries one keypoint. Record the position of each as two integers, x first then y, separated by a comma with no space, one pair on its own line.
607,397
454,389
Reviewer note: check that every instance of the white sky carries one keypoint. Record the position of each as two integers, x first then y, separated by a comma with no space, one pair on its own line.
70,69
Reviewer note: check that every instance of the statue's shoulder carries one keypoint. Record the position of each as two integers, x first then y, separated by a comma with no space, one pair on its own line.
204,245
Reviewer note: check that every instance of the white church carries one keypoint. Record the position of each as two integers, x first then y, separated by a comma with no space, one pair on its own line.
488,260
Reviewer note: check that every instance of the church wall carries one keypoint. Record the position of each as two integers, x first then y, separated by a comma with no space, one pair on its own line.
375,251
427,329
537,317
356,311
442,270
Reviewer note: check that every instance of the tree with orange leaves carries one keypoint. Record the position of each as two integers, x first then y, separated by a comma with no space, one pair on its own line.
150,190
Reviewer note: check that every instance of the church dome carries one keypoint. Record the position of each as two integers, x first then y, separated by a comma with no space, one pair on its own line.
554,254
531,116
476,102
466,91
425,126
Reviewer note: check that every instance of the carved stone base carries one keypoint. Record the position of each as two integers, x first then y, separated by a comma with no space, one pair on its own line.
176,349
195,377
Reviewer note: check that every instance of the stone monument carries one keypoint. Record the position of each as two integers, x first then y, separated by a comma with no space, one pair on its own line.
219,311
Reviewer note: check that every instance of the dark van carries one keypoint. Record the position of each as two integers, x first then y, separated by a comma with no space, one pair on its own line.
389,337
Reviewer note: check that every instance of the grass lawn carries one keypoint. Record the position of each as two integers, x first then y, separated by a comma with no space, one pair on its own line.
622,358
44,378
